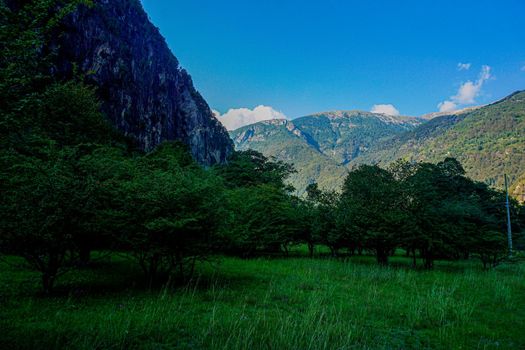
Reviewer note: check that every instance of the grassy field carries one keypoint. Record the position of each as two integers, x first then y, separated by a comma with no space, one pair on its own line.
294,303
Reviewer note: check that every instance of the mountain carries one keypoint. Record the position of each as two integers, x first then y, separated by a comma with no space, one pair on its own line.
283,140
345,135
488,141
321,145
144,91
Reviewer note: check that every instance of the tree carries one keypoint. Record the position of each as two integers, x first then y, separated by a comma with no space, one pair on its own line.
372,207
51,198
263,216
323,223
170,212
40,199
251,168
262,219
452,216
26,66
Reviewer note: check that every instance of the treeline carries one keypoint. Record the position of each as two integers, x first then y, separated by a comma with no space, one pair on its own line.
71,185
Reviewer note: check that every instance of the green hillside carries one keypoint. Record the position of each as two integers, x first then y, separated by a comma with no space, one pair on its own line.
488,141
281,139
344,135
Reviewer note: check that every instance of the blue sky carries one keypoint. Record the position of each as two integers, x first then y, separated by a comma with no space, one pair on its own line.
302,57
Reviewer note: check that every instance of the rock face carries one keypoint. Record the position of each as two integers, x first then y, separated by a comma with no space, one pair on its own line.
144,91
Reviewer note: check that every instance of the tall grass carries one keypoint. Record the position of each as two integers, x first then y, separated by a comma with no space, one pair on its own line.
279,304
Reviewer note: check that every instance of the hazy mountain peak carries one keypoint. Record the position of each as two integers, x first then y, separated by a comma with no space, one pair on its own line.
349,114
433,115
275,122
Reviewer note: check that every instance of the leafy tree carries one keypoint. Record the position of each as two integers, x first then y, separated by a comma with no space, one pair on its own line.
47,126
263,216
40,201
324,229
251,168
170,212
26,66
372,207
261,220
451,215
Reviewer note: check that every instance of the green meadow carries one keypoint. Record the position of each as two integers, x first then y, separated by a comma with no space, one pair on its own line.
269,303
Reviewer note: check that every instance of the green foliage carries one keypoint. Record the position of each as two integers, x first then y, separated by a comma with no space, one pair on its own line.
169,211
46,128
251,168
451,216
323,220
373,211
26,80
38,210
263,217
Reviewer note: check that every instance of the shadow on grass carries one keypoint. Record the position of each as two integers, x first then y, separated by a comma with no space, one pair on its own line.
114,277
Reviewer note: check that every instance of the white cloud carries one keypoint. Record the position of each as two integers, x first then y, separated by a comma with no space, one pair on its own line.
464,66
467,92
385,109
447,106
236,118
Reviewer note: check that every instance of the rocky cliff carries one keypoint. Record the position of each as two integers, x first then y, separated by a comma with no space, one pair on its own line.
145,92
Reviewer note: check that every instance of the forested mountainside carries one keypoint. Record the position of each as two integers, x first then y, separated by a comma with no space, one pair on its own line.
145,92
283,140
489,141
320,145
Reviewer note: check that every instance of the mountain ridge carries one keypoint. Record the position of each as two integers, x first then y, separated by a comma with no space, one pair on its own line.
488,140
307,142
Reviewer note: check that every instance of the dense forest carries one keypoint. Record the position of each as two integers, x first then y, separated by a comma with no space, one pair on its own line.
71,184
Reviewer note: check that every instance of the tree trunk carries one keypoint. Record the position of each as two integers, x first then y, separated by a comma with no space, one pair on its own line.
311,248
84,257
333,251
153,270
429,262
48,282
382,257
285,248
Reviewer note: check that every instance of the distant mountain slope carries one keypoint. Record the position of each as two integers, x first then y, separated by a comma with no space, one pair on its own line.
489,141
344,135
320,145
283,140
